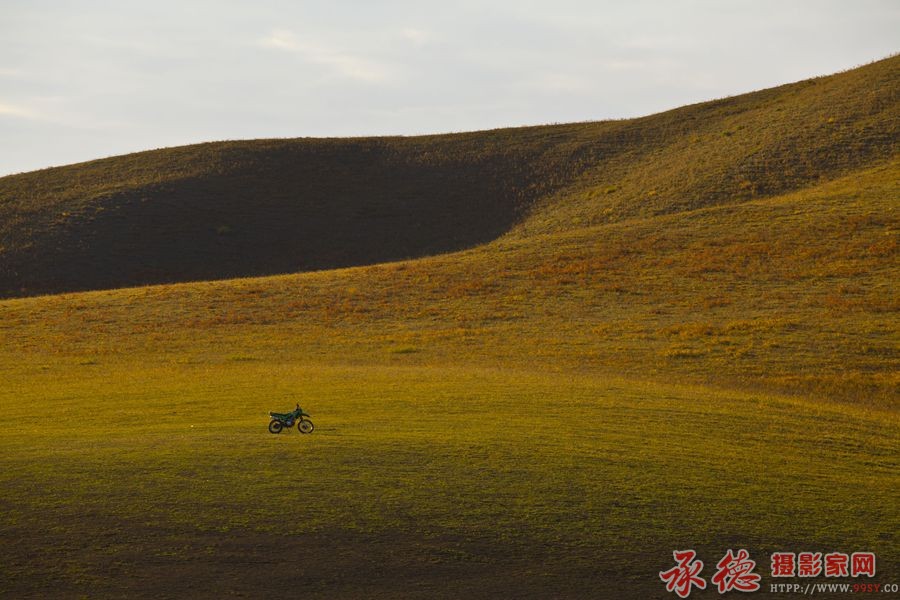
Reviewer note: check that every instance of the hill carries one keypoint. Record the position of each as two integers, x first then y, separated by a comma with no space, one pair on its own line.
237,209
794,293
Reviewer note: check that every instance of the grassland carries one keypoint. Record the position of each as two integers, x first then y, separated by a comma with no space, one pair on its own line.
599,376
419,482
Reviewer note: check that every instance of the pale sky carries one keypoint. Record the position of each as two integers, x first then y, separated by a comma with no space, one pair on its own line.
84,79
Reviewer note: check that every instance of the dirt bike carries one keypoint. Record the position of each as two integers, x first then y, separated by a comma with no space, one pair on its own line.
281,420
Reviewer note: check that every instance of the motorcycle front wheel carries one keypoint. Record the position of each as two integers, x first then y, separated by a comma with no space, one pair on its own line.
275,426
305,426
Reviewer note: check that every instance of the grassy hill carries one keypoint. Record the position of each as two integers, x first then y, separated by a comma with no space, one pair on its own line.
231,209
610,341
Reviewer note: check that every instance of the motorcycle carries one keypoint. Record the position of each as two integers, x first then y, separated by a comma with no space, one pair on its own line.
281,420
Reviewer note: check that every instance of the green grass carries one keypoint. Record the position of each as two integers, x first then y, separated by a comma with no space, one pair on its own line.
470,480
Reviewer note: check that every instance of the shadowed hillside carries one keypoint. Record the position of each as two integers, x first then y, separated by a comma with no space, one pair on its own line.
231,209
261,207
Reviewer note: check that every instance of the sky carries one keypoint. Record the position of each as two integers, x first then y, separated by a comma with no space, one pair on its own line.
84,79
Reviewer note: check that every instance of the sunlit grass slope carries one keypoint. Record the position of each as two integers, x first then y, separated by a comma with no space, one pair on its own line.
260,207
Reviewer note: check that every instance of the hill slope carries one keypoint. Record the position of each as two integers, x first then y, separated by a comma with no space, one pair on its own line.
792,293
262,207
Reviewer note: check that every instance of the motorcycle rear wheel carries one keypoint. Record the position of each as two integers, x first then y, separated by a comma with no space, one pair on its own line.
305,426
275,426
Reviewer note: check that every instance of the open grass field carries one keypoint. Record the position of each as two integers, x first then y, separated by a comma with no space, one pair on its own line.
126,481
673,332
